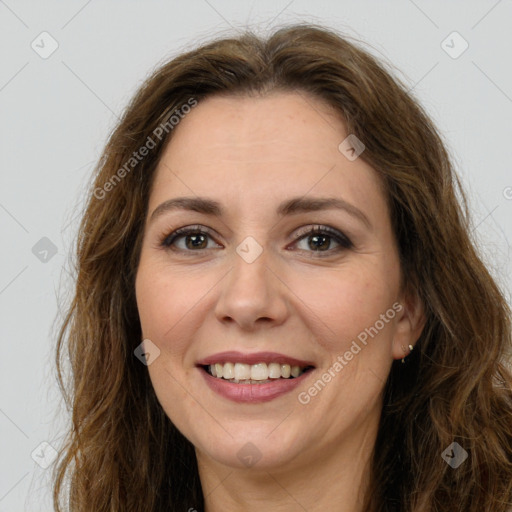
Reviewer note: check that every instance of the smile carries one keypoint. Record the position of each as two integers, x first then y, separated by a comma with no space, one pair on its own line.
253,378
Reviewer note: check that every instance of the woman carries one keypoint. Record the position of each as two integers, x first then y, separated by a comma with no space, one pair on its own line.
278,305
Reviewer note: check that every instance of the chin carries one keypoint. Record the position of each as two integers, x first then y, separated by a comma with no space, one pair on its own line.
252,447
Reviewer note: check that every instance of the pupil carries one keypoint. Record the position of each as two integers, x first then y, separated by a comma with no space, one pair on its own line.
317,237
196,240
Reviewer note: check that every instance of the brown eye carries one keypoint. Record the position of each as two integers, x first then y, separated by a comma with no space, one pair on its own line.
320,238
195,238
195,241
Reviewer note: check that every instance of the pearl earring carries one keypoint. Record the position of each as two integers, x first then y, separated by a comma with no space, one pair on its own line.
411,348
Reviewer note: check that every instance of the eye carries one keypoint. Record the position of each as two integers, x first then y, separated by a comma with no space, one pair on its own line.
194,238
320,238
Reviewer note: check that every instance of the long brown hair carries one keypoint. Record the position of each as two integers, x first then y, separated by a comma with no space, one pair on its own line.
122,453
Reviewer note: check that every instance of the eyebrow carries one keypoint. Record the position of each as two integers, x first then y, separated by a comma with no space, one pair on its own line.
292,206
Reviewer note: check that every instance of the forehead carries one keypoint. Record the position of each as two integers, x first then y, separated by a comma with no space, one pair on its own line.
252,149
240,126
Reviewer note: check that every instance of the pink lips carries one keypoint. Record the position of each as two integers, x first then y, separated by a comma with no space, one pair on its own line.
252,393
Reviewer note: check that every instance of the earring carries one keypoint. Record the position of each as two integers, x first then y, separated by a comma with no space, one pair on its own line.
411,348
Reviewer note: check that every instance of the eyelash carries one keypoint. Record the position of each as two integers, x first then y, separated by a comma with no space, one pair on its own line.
343,241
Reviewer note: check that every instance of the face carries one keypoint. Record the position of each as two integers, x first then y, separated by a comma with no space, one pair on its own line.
270,275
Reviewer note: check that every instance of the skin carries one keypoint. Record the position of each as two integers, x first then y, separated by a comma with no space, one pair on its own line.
250,154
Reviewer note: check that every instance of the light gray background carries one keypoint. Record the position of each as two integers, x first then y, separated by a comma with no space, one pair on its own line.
56,113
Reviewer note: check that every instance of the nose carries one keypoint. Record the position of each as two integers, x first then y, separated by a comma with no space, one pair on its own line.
252,294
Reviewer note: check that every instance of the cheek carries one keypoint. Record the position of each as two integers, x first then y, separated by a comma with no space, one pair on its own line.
163,310
171,388
343,305
166,301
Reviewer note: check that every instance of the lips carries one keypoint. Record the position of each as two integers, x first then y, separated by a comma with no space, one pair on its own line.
257,377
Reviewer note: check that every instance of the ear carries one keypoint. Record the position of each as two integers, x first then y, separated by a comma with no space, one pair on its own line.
410,321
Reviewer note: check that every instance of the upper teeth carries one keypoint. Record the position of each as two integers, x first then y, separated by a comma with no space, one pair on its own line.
260,371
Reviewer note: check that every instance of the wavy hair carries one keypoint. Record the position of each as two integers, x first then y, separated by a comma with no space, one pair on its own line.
122,453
